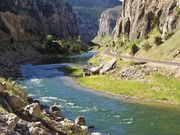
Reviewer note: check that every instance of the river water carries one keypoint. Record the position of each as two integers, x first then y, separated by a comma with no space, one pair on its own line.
108,115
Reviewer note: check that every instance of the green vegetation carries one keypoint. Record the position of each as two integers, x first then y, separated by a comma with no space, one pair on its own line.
12,88
134,49
158,88
158,40
151,46
146,46
73,71
64,46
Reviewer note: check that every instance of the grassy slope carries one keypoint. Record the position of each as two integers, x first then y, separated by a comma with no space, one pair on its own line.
159,88
13,89
165,51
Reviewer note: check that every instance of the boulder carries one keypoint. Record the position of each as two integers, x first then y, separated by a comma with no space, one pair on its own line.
108,66
3,85
55,111
33,109
12,121
15,102
80,120
38,131
86,72
54,108
67,123
84,128
95,70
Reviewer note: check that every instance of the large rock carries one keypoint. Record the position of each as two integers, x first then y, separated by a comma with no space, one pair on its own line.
33,109
55,111
80,121
3,86
95,70
108,66
12,121
136,72
15,102
38,131
67,123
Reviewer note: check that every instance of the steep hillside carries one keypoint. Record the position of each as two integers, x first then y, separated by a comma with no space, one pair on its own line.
31,20
146,28
108,21
140,17
88,14
94,3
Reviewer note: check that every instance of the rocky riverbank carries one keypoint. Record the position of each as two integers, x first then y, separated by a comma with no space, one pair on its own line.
20,114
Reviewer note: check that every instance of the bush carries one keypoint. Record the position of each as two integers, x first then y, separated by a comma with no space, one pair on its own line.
168,35
11,40
146,36
134,49
64,46
146,46
158,40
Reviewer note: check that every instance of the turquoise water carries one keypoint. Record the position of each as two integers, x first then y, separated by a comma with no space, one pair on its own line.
108,115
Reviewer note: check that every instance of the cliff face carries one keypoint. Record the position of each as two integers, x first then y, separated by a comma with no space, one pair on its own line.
139,17
34,19
108,21
88,14
95,3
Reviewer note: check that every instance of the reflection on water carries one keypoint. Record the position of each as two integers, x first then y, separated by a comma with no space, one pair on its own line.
46,83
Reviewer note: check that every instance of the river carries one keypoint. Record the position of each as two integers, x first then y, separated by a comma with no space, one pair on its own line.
110,116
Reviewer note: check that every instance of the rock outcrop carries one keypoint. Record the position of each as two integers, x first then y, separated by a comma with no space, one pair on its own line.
139,17
34,19
88,14
108,21
36,119
102,69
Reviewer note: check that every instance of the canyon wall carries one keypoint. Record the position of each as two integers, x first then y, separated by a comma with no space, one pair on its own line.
108,21
139,17
34,19
88,14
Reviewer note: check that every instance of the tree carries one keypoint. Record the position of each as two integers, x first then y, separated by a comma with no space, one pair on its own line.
158,40
11,40
146,46
134,49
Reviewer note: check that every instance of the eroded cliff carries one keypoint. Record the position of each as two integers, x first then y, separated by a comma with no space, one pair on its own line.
139,17
32,20
88,14
108,21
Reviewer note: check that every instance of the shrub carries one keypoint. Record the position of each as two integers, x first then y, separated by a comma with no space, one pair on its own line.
146,36
134,49
168,35
49,38
158,40
146,46
11,40
113,44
